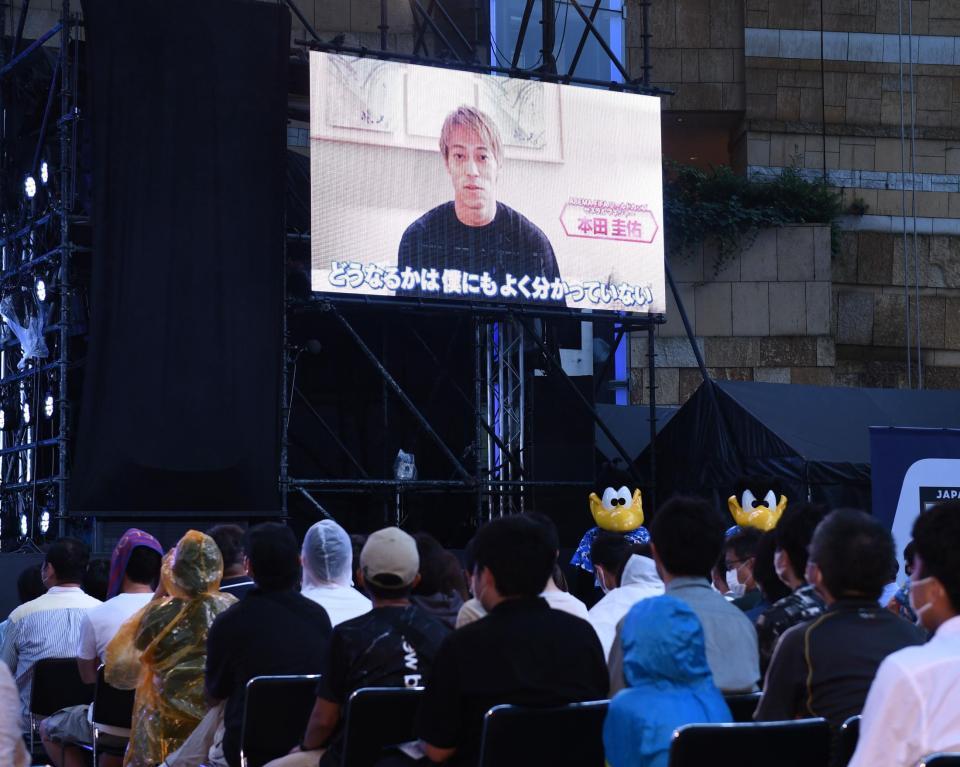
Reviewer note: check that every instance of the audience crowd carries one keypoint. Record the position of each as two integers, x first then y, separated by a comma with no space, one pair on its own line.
809,616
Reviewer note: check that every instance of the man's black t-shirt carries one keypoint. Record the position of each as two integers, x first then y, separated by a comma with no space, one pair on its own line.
510,243
386,647
266,633
524,653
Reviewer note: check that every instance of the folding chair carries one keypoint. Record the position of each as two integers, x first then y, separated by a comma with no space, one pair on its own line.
799,743
111,714
742,706
941,760
515,736
275,714
376,718
56,684
845,742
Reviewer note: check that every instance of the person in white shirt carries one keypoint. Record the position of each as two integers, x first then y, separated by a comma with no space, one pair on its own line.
13,752
135,573
639,579
48,626
327,557
911,709
558,598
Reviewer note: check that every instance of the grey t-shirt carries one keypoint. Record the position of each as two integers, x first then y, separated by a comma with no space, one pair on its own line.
730,638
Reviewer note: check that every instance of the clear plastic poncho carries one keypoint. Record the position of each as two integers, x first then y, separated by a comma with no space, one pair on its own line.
161,651
327,555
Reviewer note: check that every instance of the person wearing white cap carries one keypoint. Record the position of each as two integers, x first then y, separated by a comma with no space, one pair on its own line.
393,645
327,557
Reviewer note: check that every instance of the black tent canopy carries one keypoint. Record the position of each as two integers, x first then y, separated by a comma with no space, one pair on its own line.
814,438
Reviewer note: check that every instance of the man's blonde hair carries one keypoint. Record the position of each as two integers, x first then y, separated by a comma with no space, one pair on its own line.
475,120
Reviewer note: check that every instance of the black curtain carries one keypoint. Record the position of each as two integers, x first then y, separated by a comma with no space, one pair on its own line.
180,407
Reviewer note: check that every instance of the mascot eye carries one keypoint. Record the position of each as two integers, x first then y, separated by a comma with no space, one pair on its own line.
771,500
611,499
624,495
748,500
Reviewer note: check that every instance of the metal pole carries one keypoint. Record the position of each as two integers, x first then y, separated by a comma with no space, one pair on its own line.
686,322
652,382
603,43
401,394
491,409
548,19
481,424
583,39
521,36
384,25
436,30
645,37
558,366
501,400
67,116
522,409
333,435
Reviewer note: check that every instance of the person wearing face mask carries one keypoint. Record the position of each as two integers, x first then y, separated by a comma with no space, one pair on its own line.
911,710
792,534
636,579
824,666
739,551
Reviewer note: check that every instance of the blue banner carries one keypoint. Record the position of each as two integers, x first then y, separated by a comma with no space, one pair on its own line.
912,469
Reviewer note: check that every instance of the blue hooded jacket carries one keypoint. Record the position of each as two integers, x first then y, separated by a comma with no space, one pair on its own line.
668,684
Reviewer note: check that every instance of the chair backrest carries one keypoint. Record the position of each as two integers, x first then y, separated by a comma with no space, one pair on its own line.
742,706
57,684
275,714
377,717
941,760
800,743
514,736
112,707
845,742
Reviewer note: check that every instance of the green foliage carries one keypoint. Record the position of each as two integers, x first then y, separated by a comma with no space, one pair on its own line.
729,209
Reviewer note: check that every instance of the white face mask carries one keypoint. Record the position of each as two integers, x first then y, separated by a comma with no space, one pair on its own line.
918,609
737,589
601,581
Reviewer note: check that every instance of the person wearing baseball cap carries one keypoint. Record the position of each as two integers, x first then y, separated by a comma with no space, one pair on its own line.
393,645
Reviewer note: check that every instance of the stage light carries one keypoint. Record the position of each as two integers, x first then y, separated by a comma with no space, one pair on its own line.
23,525
3,420
41,290
44,522
48,406
30,187
44,173
26,412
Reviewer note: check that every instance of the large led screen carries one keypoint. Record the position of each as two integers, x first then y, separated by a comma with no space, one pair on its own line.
442,184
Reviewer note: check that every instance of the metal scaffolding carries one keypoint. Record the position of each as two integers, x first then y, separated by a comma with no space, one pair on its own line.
506,339
36,287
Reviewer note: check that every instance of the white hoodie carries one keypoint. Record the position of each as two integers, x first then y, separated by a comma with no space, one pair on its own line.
639,581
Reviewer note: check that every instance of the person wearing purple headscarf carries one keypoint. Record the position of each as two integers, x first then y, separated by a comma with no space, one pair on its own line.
134,574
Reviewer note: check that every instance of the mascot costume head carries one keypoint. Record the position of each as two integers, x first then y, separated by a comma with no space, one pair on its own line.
616,506
758,501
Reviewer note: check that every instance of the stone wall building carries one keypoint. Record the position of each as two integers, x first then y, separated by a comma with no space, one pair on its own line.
823,85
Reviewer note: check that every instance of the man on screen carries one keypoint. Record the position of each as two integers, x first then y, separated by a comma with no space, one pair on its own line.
474,234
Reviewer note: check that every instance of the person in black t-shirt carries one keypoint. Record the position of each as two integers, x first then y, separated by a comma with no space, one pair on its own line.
522,652
229,539
474,234
273,630
393,645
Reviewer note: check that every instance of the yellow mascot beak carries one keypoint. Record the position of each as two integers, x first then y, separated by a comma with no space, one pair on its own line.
622,519
760,517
